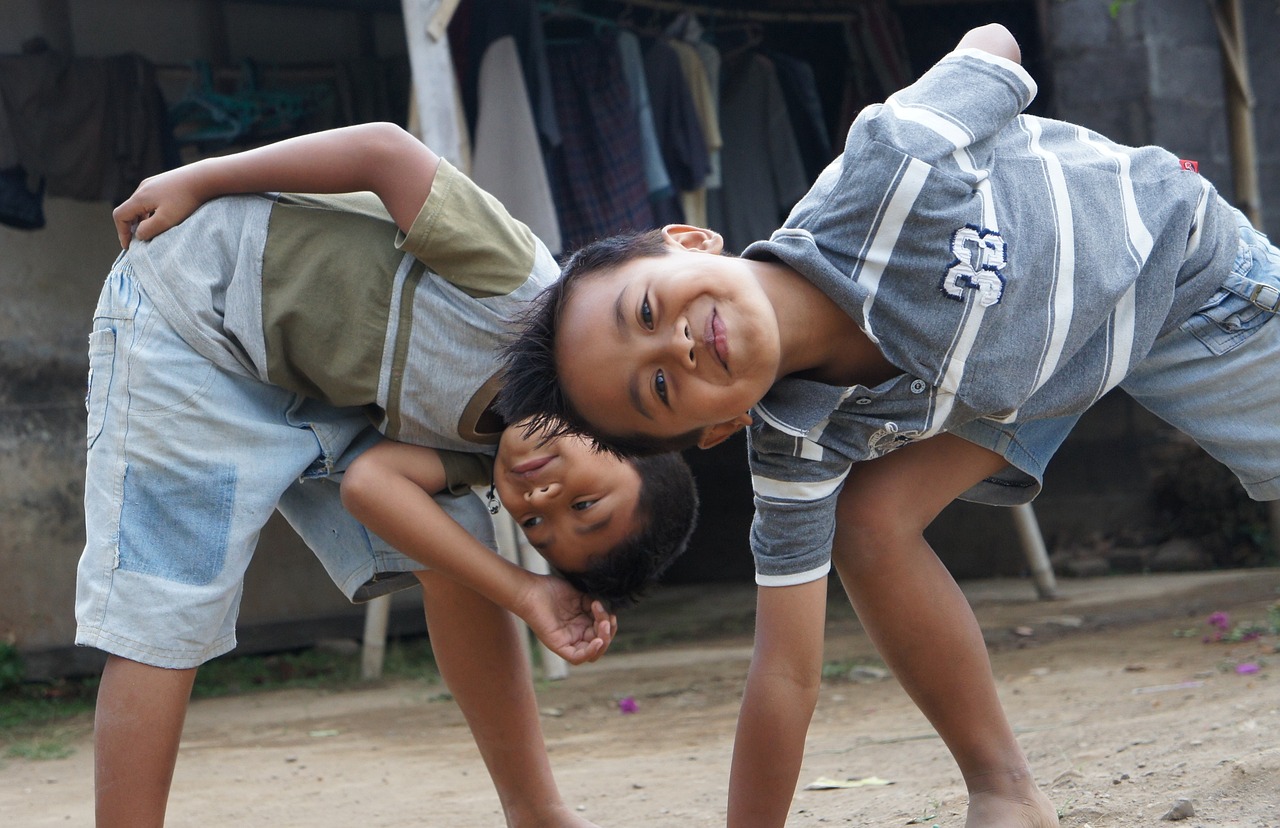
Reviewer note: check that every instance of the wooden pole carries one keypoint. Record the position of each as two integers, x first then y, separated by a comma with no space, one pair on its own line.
1024,518
1228,16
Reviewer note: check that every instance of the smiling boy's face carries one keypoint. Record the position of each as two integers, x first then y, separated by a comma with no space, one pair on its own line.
571,501
665,345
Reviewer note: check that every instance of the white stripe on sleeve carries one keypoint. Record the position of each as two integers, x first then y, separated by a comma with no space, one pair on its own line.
795,578
797,491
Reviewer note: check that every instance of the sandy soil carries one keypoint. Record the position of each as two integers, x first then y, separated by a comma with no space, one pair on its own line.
1120,716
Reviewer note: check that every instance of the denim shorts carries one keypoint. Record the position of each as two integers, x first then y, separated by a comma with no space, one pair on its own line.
186,462
1216,378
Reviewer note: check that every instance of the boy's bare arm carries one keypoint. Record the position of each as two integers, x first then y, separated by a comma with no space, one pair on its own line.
781,693
381,158
478,649
388,489
992,38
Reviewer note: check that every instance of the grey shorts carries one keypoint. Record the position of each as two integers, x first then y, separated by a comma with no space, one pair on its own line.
186,462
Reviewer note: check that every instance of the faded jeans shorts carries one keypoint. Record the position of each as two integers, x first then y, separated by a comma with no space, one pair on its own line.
1216,378
186,462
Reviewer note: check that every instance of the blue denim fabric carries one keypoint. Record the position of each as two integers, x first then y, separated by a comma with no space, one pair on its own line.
1217,378
185,464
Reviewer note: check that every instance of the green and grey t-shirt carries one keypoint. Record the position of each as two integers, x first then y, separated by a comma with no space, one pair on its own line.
324,296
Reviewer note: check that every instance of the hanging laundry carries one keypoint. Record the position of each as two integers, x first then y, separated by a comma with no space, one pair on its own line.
597,173
687,28
506,160
475,25
90,128
21,202
804,109
763,173
694,202
655,171
684,147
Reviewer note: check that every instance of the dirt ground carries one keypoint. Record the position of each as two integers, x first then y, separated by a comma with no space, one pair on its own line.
1121,706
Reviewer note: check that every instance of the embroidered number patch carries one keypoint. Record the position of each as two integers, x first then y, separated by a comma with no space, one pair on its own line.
980,256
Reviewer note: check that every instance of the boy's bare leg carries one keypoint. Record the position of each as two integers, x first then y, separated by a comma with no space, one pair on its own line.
923,626
477,648
137,727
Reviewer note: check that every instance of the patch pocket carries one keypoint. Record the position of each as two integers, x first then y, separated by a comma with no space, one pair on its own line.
1225,321
102,357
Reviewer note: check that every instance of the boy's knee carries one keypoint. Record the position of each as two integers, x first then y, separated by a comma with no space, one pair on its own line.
878,511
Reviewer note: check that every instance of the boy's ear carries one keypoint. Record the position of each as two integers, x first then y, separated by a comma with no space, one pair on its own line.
688,237
718,433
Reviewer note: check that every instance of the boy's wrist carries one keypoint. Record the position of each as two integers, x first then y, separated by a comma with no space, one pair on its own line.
208,178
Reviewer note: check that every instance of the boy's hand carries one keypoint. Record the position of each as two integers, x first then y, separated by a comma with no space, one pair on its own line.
571,625
160,202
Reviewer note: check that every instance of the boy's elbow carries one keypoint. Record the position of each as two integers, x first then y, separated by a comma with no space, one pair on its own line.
995,39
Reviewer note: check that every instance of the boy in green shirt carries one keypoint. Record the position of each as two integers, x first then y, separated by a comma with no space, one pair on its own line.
237,362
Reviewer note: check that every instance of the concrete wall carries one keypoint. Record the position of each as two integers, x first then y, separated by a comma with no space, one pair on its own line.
1154,75
49,283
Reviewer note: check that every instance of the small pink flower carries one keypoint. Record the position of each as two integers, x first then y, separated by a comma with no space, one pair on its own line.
1220,620
628,705
1247,668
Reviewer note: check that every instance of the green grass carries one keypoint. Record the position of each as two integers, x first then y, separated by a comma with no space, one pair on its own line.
39,719
50,746
839,669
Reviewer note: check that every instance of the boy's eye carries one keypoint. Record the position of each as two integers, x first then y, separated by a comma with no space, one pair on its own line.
646,313
529,523
660,385
583,505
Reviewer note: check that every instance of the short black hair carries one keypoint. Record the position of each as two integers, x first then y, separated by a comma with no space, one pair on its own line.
531,389
665,514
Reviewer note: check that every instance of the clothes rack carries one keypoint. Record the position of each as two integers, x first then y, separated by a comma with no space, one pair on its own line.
728,13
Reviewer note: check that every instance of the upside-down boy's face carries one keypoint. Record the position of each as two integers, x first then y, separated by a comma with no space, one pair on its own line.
665,345
571,501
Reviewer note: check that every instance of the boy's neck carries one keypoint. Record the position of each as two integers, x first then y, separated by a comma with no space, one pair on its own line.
819,341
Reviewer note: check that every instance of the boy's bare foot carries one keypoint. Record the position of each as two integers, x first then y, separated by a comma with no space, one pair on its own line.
558,816
1013,801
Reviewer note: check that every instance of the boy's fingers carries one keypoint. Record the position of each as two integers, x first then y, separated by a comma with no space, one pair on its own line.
135,224
151,226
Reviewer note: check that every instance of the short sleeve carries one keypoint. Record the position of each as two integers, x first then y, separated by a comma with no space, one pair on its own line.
469,239
965,99
462,470
470,513
796,484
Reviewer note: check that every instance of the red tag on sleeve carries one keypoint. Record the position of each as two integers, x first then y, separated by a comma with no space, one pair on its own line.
1190,166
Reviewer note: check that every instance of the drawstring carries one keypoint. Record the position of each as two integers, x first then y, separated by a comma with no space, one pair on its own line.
492,498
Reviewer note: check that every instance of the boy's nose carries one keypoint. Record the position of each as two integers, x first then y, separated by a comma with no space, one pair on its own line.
543,493
682,344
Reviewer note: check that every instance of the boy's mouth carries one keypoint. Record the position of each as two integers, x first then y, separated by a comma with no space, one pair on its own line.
528,467
715,339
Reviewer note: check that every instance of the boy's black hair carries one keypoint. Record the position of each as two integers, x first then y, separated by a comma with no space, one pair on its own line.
531,389
665,514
